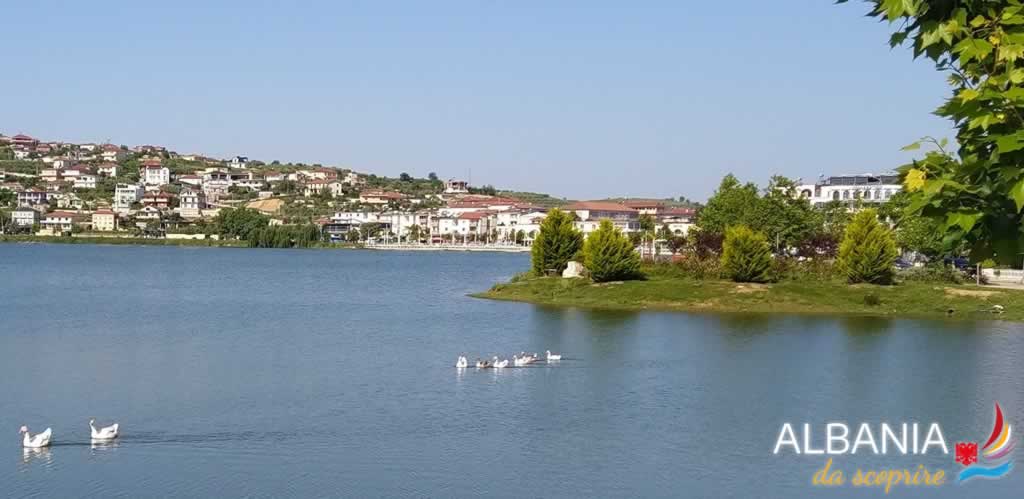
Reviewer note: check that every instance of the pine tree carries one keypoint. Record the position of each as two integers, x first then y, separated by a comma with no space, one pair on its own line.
609,255
868,250
557,243
746,256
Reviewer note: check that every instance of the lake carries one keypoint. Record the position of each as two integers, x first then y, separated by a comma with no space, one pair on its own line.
302,373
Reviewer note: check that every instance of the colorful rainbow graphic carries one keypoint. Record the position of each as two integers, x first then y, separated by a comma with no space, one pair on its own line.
999,445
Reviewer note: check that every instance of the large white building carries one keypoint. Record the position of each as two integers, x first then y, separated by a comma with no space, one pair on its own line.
866,187
156,175
125,195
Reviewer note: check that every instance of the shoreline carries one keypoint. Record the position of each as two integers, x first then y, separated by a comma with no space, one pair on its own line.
224,243
910,300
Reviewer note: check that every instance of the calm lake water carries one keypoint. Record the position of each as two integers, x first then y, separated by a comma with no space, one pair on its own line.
290,373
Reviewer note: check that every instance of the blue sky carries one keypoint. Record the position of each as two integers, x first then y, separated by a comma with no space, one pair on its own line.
579,99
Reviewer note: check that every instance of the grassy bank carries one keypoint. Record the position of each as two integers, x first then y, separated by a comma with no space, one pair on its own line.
659,292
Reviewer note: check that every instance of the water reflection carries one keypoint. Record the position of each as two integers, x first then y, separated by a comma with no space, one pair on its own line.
41,456
104,445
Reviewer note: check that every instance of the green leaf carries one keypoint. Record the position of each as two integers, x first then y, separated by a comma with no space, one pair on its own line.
968,94
973,48
1017,193
1009,143
964,220
912,146
978,21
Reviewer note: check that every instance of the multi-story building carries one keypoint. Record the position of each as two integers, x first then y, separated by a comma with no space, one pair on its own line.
59,222
589,215
865,187
453,186
191,203
24,217
108,169
155,175
112,153
125,195
104,220
85,182
33,197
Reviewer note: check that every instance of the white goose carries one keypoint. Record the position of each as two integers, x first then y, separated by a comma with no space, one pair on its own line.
463,362
108,433
553,356
500,363
38,441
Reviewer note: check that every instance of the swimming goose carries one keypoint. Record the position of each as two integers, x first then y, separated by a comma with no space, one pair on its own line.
38,441
482,364
500,363
553,356
108,433
462,362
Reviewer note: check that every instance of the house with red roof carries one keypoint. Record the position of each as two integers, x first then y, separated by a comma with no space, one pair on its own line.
379,196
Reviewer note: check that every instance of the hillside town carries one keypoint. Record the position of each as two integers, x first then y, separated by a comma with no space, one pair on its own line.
60,189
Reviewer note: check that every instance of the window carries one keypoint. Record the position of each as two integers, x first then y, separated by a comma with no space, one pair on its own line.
835,195
846,194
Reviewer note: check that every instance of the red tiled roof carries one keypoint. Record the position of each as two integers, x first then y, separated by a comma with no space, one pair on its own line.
643,203
599,206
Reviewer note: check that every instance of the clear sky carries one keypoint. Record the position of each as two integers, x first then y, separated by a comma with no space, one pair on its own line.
579,99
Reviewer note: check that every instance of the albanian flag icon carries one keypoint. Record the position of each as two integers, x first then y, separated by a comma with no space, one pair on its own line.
966,453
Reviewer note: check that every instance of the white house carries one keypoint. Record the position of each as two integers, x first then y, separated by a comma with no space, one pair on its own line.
108,169
865,187
314,187
32,197
239,162
191,203
453,186
58,222
125,195
85,182
155,175
589,215
24,217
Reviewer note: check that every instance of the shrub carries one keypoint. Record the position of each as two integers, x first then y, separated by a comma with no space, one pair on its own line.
794,269
936,272
746,256
872,300
700,268
609,255
868,250
556,244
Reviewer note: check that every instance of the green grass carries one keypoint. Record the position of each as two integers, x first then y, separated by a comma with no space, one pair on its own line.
664,292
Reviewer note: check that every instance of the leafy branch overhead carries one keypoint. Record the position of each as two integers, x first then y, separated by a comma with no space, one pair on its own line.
977,190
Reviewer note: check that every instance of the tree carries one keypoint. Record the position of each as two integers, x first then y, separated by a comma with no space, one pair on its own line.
609,255
785,218
868,251
240,223
746,256
405,177
432,177
975,193
557,243
730,205
413,233
921,235
676,243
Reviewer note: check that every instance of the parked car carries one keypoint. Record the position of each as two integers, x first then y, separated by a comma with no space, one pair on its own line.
958,262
